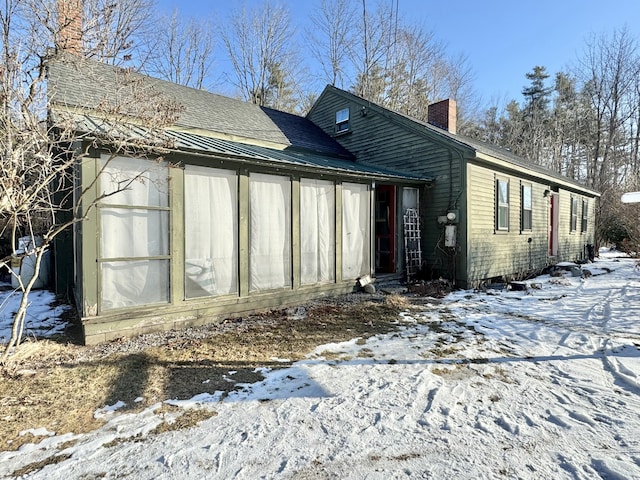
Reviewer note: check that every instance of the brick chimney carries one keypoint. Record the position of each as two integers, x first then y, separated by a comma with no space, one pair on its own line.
70,14
443,115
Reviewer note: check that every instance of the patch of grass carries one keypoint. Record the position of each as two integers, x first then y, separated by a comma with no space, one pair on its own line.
59,387
184,419
365,353
454,371
398,301
442,352
397,458
500,374
441,372
334,355
32,467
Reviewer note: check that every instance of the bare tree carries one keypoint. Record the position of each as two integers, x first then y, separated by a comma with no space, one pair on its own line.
377,33
459,85
259,44
181,52
114,30
40,147
404,67
332,38
610,69
419,72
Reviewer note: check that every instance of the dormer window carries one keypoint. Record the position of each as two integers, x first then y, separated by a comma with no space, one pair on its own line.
342,120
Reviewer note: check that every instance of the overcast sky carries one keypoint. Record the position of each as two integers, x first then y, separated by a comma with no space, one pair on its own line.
502,39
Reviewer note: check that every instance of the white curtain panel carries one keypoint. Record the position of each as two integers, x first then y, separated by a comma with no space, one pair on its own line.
269,232
317,231
134,232
134,181
131,283
211,231
356,230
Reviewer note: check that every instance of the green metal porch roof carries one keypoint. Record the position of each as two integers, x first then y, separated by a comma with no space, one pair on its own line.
191,142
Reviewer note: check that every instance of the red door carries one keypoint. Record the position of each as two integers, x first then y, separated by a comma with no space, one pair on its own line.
385,226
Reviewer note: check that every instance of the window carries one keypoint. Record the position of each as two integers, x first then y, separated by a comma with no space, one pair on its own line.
502,205
585,213
410,198
342,120
317,231
574,214
356,230
211,231
134,233
527,210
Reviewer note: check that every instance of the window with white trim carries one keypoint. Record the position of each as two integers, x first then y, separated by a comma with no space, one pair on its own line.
585,213
527,208
342,120
574,214
502,204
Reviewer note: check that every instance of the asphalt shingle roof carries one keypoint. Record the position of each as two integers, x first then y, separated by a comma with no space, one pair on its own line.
81,90
81,83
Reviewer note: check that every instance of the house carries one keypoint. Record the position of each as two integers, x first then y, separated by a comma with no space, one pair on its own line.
246,208
234,208
487,215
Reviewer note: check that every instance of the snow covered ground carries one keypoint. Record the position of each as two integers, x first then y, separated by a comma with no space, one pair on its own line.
44,315
543,384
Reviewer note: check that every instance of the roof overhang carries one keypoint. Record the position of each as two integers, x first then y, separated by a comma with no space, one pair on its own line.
551,179
291,159
178,141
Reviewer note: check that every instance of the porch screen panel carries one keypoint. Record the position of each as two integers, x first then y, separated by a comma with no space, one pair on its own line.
211,232
269,232
134,181
140,232
356,230
134,233
130,283
317,231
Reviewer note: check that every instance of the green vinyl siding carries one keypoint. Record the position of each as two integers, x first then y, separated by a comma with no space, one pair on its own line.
492,253
572,242
391,141
503,253
463,175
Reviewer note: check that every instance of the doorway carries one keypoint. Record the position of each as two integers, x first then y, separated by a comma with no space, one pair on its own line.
385,228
